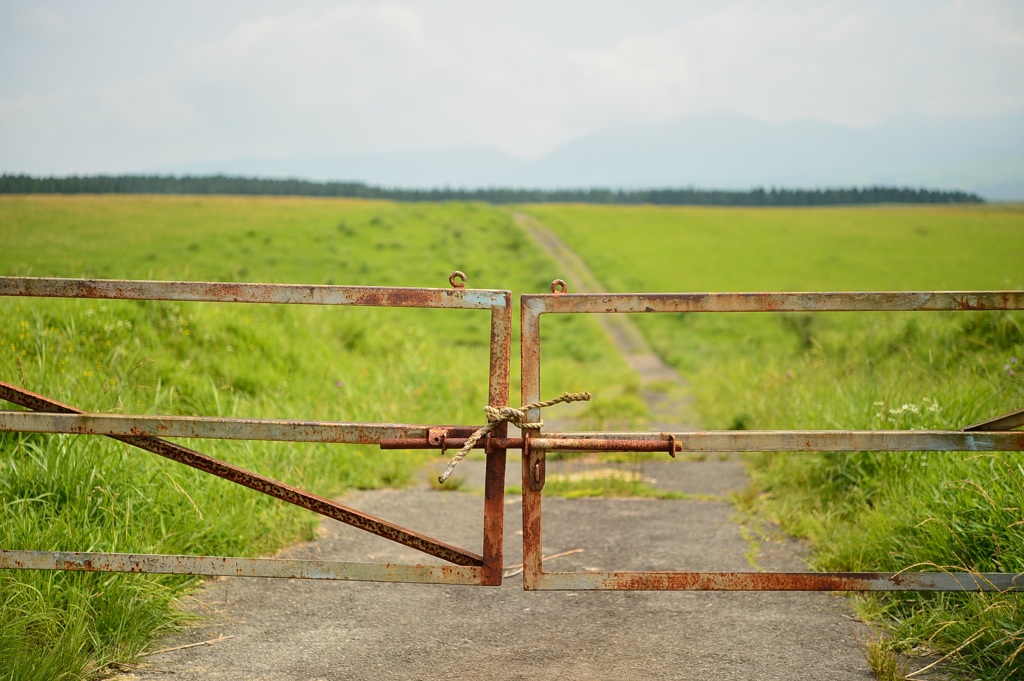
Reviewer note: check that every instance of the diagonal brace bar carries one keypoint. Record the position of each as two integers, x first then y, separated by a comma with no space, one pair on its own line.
1014,419
260,483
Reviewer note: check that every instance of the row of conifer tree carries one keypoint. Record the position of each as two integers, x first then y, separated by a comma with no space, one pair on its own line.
253,186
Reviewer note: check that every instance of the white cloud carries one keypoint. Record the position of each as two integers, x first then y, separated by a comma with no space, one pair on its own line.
41,21
301,50
830,63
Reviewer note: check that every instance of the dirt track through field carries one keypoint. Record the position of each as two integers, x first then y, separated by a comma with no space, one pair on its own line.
315,630
666,393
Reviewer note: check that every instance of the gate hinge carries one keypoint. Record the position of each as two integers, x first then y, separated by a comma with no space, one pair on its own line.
536,462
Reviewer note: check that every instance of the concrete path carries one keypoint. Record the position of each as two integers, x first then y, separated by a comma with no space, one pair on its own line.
320,630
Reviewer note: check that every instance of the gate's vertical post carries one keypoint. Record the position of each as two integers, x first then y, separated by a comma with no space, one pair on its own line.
530,353
494,482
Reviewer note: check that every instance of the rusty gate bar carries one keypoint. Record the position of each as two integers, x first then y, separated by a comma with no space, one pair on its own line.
1014,419
494,470
799,440
781,581
536,444
230,566
207,427
260,483
232,292
739,441
401,436
840,301
469,568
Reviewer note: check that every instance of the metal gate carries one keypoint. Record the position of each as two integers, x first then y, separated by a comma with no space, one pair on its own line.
147,432
45,415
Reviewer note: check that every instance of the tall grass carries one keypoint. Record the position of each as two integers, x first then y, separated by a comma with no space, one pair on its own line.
91,493
862,511
894,511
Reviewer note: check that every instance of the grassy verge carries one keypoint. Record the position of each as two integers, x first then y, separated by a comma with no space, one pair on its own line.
842,370
91,493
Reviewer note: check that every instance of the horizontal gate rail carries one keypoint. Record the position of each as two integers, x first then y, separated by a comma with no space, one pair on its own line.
228,566
841,301
402,436
736,441
781,581
145,432
331,432
281,294
802,440
993,435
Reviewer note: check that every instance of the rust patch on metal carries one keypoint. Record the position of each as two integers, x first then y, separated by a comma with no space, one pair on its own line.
715,581
436,437
969,303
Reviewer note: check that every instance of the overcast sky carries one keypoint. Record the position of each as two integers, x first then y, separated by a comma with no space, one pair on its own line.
122,86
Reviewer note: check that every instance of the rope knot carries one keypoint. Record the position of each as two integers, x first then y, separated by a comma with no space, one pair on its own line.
516,417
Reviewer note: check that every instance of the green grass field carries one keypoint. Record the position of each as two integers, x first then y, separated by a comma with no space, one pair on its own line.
346,364
833,370
857,371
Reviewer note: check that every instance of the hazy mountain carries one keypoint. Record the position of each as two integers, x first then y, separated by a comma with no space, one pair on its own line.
714,152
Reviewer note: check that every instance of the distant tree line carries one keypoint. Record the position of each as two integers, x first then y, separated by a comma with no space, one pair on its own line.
223,184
